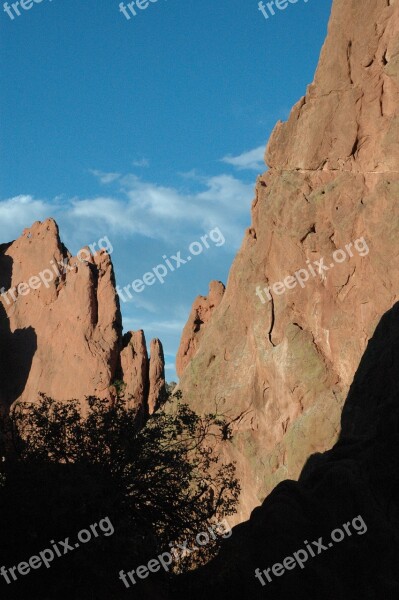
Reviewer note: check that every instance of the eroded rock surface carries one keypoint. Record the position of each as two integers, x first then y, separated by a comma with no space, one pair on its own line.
156,376
286,360
135,367
345,507
201,313
62,333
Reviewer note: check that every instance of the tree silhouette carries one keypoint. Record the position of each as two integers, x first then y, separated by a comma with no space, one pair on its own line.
159,484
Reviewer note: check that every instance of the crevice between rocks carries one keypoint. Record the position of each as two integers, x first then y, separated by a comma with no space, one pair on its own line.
273,320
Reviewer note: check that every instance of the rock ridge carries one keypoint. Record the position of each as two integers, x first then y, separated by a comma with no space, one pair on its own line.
61,327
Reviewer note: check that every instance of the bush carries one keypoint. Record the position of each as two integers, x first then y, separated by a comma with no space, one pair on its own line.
162,483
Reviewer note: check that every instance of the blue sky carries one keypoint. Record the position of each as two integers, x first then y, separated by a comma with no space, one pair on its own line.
149,131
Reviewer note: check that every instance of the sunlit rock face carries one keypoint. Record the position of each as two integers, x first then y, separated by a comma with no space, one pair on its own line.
61,327
281,351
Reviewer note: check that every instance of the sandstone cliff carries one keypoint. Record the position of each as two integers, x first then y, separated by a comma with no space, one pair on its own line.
62,333
288,355
345,507
201,313
157,376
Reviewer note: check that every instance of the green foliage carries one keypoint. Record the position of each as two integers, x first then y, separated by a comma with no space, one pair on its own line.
119,386
170,386
168,472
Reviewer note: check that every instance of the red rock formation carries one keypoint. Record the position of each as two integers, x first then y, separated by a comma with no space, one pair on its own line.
157,376
288,360
135,367
200,315
60,325
144,378
340,490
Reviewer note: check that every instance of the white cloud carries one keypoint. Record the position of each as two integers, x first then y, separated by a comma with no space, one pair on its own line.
252,160
20,212
172,215
143,162
166,213
154,211
105,178
140,302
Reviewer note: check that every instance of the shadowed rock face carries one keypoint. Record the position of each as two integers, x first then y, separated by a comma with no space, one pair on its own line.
359,477
287,358
16,353
64,337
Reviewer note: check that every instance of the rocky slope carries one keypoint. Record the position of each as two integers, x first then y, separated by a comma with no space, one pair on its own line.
284,358
61,332
345,507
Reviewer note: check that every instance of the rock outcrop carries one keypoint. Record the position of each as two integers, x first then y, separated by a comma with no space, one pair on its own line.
135,367
201,312
285,356
157,376
61,327
345,507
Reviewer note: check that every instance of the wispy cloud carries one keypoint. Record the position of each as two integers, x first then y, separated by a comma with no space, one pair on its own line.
154,210
252,160
147,208
19,212
143,162
105,178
